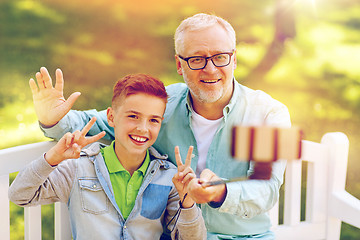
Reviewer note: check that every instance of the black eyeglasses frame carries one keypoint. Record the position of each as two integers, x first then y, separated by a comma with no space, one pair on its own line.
206,59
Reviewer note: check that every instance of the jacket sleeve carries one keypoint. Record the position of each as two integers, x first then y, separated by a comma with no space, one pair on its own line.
76,120
250,198
190,224
39,183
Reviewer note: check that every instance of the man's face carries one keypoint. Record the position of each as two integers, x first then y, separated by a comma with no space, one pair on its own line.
136,121
212,83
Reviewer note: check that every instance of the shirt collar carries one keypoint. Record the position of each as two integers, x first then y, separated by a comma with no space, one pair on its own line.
234,98
189,102
113,164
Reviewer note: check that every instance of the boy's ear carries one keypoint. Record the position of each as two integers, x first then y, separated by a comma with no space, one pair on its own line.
110,116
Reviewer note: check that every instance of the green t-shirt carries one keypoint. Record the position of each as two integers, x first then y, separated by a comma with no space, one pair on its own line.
125,187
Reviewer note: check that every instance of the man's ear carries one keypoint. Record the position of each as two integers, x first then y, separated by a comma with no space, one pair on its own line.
178,65
110,116
235,60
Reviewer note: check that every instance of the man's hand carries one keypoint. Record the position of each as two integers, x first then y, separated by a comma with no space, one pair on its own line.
49,102
204,194
184,175
70,145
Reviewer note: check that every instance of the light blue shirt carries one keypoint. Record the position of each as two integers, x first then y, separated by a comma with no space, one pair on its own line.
244,211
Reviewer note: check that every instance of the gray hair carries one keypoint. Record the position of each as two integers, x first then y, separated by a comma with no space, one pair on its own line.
198,22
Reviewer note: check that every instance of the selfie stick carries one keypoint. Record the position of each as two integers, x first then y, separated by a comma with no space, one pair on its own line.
263,145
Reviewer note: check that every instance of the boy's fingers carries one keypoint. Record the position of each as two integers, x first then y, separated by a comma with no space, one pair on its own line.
33,86
88,126
46,77
77,136
186,171
68,139
59,82
178,157
189,156
71,100
95,138
176,177
39,80
188,178
76,148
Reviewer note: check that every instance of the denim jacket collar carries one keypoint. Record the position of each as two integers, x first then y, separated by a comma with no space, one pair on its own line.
94,150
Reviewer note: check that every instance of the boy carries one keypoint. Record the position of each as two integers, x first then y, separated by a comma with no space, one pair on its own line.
122,191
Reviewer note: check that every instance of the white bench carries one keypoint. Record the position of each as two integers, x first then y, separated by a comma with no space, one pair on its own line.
327,202
12,160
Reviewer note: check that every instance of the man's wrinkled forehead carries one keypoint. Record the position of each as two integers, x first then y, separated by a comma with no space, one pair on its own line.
214,39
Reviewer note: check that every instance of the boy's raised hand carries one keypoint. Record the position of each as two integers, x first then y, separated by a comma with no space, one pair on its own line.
70,145
184,175
49,102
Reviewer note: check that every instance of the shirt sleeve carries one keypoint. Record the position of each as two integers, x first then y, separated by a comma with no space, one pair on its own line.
249,198
76,120
39,183
252,197
190,224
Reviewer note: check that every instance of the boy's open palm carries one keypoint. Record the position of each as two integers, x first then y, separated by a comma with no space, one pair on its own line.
70,145
49,102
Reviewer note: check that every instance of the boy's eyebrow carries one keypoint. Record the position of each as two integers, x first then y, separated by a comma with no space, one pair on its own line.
135,112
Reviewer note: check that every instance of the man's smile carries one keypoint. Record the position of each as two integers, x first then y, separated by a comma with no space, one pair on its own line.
210,80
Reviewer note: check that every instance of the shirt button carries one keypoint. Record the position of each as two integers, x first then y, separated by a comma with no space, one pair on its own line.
125,227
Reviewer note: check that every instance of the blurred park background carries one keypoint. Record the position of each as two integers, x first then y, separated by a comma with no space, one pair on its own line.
305,53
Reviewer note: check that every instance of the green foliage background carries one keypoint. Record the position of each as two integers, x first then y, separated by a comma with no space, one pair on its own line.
316,72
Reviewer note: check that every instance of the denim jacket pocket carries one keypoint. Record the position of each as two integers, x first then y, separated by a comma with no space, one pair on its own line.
92,195
154,201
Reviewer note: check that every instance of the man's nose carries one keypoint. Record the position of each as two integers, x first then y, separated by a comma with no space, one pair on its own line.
210,67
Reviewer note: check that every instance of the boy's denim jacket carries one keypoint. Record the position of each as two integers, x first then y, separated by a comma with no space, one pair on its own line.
84,184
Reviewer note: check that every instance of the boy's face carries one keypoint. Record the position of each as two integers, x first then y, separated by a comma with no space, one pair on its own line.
136,121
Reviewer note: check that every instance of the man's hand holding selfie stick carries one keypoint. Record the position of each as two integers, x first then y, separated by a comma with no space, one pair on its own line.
263,145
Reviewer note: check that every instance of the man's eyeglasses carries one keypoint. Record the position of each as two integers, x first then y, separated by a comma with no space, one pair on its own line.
199,62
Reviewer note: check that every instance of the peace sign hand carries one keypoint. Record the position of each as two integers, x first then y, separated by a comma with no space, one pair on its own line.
70,145
184,175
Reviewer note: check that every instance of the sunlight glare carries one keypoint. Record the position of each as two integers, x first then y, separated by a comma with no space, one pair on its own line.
311,4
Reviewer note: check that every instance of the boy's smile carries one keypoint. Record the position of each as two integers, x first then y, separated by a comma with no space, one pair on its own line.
136,121
138,139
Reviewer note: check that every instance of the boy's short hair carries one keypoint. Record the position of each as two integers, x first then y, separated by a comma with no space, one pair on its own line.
138,83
